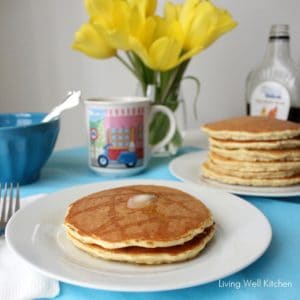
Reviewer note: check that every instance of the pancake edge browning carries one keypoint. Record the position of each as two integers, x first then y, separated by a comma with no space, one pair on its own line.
251,166
248,136
207,172
274,144
249,128
154,256
240,172
259,155
133,242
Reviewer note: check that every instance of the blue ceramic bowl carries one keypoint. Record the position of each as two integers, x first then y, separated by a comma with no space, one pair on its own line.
25,146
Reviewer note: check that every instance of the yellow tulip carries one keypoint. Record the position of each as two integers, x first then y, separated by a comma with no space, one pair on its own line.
209,23
103,8
160,43
110,18
119,20
91,42
202,23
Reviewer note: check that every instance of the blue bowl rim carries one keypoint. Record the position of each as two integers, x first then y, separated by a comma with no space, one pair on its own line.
41,114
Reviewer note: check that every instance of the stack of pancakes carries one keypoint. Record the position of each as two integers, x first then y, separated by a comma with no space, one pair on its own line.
141,224
255,151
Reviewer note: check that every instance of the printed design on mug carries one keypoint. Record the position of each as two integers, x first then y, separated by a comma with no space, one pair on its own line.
116,137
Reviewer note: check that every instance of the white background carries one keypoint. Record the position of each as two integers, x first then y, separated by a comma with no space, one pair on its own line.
38,66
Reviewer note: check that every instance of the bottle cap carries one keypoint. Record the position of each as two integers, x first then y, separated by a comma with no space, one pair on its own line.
279,31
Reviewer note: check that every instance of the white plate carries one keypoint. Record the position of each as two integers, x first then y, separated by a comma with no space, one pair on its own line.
187,168
36,234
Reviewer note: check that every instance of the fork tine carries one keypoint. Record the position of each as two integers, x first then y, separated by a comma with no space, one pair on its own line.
1,202
2,218
10,202
7,209
17,206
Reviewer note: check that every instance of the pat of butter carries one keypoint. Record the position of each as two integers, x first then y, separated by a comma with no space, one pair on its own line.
139,201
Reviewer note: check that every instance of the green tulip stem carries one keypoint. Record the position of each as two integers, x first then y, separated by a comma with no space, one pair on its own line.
127,65
169,85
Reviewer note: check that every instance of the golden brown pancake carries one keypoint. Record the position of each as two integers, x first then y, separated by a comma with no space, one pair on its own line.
141,255
252,128
244,173
258,154
208,172
254,166
171,217
275,144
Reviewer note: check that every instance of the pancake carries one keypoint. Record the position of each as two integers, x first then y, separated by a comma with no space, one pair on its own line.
207,172
108,219
150,256
254,174
257,151
254,166
275,144
252,129
258,154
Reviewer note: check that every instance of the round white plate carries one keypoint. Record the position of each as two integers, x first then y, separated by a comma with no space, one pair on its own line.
187,168
37,235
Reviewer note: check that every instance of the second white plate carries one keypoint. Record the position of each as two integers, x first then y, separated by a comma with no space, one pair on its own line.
187,168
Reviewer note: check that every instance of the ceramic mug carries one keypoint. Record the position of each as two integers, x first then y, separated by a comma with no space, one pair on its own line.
118,133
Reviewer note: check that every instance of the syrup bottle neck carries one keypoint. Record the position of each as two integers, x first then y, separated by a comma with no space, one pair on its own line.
279,43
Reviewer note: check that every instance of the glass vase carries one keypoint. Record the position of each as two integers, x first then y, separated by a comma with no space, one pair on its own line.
160,123
173,98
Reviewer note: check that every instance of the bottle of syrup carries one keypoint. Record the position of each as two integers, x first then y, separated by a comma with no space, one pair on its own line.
273,88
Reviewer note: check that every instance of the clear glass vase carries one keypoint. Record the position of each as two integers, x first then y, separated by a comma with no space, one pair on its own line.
160,123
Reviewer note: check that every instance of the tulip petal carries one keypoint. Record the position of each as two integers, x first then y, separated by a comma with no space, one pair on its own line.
99,8
226,23
141,51
92,43
209,23
135,21
169,28
151,7
190,53
171,11
187,14
146,7
118,39
164,53
147,32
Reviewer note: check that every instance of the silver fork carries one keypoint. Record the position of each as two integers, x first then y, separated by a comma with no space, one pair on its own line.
9,203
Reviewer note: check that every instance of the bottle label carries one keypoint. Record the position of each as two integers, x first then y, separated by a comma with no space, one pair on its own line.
270,99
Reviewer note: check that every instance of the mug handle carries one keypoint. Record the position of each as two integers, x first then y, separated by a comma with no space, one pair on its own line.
172,128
